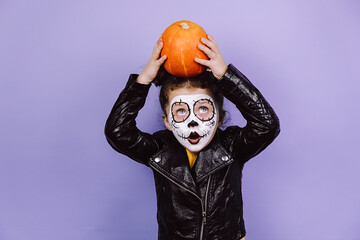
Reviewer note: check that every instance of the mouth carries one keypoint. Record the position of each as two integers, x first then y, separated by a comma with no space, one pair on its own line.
194,138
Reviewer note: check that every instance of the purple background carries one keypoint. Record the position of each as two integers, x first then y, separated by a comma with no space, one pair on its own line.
63,64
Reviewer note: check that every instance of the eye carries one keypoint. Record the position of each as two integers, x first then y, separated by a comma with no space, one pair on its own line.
203,109
180,112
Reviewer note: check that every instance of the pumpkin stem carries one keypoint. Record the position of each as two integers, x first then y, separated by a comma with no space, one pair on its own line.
184,25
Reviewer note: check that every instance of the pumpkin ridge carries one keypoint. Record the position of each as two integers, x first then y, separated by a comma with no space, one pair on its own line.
171,45
183,62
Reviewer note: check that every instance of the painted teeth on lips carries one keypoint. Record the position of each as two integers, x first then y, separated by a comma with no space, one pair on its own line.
194,138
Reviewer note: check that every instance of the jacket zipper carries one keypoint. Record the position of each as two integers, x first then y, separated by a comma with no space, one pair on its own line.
203,208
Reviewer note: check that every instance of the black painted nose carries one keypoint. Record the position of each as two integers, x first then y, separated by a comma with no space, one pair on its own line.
193,124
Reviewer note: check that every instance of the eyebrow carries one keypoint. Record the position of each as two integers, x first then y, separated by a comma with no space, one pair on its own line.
205,99
201,99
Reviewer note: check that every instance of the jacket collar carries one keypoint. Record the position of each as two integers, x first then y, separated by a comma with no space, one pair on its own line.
173,164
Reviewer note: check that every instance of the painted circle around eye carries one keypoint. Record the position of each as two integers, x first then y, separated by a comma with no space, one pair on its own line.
200,112
180,111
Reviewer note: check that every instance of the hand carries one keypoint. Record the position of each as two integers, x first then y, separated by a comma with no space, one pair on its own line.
152,67
216,62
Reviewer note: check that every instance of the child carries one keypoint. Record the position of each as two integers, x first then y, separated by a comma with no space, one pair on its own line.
197,166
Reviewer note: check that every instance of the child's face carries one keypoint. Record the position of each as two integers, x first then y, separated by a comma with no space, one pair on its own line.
192,116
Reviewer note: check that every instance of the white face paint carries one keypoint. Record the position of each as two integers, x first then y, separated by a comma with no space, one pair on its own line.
193,120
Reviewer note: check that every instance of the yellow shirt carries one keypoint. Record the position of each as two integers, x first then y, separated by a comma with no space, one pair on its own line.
191,157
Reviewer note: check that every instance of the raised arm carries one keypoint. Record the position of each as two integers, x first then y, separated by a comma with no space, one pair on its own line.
262,125
262,122
120,130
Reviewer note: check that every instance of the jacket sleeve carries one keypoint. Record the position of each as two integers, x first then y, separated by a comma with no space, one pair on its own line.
262,125
120,128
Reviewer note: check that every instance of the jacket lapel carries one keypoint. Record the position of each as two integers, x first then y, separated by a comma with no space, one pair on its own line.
211,160
172,163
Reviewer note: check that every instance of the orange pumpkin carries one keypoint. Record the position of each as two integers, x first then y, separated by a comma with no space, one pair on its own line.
181,41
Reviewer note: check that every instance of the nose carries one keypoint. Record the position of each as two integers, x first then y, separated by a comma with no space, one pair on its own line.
193,124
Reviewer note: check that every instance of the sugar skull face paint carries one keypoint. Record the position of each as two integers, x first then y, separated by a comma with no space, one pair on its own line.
193,120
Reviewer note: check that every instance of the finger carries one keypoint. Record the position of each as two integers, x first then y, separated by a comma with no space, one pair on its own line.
202,62
207,51
211,39
213,44
158,43
157,49
208,43
161,60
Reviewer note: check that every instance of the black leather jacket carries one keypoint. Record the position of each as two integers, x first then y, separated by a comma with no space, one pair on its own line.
204,202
